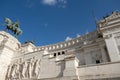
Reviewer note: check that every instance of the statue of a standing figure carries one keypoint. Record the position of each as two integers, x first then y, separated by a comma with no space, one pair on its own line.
31,68
37,68
13,26
8,75
24,70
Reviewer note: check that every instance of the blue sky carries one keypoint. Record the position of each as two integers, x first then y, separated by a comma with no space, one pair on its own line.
51,21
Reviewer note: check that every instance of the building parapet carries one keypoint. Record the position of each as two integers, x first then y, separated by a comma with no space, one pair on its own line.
101,71
82,40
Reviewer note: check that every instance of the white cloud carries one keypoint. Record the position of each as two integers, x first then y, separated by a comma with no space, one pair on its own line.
59,3
68,38
49,2
78,35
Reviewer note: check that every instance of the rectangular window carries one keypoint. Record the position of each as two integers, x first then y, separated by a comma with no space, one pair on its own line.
58,53
54,54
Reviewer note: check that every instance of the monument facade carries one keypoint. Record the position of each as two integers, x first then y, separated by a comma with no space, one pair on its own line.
93,56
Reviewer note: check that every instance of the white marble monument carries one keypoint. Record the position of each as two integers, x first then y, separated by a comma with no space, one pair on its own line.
93,56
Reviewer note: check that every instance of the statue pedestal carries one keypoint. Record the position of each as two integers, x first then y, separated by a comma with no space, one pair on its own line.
8,47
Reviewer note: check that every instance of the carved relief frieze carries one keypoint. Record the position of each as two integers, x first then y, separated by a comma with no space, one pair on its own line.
28,69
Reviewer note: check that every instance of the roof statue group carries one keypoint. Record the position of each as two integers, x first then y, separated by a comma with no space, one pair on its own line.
13,26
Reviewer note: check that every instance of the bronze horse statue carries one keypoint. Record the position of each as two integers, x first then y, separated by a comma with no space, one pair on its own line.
13,26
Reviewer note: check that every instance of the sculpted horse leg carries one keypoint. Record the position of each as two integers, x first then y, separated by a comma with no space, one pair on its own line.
7,29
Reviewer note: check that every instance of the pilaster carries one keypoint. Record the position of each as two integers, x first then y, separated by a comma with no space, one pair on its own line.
70,67
112,48
109,26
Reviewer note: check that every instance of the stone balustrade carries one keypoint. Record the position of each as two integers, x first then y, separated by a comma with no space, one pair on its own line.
82,40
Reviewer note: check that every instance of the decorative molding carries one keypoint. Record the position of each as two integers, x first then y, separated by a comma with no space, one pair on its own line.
109,20
108,36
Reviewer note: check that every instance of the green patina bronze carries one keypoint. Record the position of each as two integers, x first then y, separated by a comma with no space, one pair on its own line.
13,26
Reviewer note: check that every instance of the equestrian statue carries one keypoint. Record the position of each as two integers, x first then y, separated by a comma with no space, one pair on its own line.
13,26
